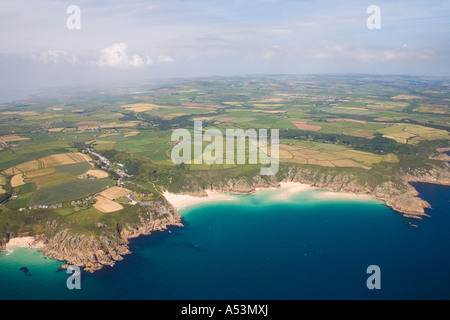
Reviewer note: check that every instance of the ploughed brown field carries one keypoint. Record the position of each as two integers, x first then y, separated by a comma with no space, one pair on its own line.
115,193
106,205
303,125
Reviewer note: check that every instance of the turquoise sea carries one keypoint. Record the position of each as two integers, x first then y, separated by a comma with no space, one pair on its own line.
256,247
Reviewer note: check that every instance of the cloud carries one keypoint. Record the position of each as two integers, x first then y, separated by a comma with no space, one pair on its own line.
165,59
118,56
271,51
374,53
53,56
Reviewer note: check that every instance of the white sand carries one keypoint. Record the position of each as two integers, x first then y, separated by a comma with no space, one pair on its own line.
287,190
21,242
342,195
180,201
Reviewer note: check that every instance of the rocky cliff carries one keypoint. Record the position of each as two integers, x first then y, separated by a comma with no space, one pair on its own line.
396,191
93,253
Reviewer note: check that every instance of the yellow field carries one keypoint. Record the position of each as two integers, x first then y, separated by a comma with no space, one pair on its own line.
269,100
24,167
411,133
53,130
2,183
48,162
39,173
399,138
406,97
284,154
13,138
106,135
303,125
115,193
17,181
225,119
350,108
349,164
140,107
427,109
387,104
63,159
361,133
131,134
106,206
99,174
327,157
320,163
366,157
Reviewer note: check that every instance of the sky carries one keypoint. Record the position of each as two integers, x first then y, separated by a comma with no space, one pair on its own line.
42,44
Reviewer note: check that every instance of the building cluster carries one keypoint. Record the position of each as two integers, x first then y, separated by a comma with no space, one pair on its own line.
37,207
84,201
87,177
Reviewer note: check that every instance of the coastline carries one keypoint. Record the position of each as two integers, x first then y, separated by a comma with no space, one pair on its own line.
88,253
181,201
287,189
23,242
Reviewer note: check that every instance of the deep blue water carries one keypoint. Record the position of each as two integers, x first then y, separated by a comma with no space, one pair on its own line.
260,248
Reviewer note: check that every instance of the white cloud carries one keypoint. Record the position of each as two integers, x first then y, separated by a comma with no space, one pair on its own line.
271,51
165,59
118,56
373,53
53,56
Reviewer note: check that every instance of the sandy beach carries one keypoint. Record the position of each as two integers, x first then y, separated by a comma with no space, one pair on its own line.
342,195
287,190
180,201
21,242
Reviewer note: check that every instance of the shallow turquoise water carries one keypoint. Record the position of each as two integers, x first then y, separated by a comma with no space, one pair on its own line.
261,248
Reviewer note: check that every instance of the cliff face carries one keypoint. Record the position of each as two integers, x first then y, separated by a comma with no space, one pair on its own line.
94,253
400,196
397,192
436,175
85,251
3,243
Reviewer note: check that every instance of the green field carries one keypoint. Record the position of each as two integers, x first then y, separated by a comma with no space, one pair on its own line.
69,191
74,169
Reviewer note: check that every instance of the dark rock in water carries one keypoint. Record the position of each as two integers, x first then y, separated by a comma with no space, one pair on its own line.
191,246
26,271
62,268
